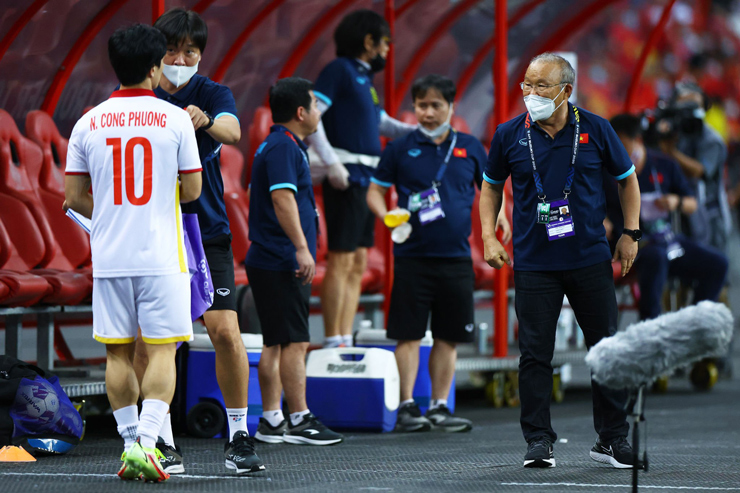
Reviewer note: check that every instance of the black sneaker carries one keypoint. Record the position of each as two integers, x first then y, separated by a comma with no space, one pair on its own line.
539,453
617,453
270,434
240,455
442,419
171,458
410,419
311,431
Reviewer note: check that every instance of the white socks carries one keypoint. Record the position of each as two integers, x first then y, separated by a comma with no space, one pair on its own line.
274,417
410,401
127,419
296,418
347,340
166,431
332,341
237,418
435,403
153,412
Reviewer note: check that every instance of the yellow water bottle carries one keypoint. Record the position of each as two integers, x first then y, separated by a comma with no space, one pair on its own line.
396,217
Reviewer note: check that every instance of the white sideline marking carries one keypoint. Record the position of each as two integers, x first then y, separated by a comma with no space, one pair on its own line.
647,487
89,475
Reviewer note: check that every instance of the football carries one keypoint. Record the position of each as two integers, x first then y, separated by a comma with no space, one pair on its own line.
40,399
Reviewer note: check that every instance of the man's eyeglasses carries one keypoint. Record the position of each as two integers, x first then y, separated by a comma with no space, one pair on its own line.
538,88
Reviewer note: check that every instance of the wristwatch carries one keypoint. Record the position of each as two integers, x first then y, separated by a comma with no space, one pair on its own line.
210,121
635,234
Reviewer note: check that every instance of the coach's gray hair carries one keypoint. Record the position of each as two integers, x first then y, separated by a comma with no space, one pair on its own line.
567,74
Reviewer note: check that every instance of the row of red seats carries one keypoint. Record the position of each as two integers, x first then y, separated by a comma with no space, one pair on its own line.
44,256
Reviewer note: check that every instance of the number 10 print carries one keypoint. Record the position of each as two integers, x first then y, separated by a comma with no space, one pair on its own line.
129,165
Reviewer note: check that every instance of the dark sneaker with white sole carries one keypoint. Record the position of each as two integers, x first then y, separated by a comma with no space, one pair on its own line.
539,453
270,434
618,453
442,419
311,431
171,458
410,419
240,455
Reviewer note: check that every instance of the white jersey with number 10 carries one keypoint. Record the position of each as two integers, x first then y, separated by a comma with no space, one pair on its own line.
133,146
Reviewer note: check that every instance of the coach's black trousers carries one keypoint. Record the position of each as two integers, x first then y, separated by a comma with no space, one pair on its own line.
539,299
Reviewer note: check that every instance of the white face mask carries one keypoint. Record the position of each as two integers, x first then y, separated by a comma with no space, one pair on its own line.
541,108
179,74
439,131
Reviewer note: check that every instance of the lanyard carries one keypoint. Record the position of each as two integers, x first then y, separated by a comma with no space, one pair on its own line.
438,179
571,170
656,183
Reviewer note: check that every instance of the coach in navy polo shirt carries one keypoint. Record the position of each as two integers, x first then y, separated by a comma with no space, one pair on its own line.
213,112
435,170
555,154
281,263
348,144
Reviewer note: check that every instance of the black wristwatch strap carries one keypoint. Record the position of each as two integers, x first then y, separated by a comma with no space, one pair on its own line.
211,121
635,234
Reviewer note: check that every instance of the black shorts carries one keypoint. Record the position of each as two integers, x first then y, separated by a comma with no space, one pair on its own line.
282,305
349,223
440,286
221,263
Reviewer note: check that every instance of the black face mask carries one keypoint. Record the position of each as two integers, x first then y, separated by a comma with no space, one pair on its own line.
377,64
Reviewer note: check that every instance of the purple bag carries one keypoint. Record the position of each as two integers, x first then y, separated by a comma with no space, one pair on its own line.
201,287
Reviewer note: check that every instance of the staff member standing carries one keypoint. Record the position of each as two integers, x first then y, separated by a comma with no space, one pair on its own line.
348,144
435,170
281,263
555,153
212,110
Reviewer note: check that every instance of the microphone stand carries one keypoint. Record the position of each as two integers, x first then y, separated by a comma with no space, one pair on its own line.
638,415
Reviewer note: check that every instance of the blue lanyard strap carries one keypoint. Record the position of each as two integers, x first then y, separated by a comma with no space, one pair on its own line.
571,170
443,168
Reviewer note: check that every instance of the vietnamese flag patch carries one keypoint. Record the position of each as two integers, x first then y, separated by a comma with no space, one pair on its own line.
583,139
460,152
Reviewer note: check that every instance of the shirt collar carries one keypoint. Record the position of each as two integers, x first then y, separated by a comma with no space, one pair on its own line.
183,94
294,137
132,93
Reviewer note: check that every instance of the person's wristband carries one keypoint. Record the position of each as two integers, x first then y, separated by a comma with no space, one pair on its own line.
211,121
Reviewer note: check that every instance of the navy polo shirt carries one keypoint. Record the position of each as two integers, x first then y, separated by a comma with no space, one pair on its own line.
657,165
218,101
599,148
411,163
280,162
353,119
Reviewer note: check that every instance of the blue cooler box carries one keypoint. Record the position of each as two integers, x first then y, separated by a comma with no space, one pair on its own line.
423,386
353,388
202,385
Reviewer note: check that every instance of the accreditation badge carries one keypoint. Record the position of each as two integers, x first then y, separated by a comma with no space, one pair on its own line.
560,224
431,206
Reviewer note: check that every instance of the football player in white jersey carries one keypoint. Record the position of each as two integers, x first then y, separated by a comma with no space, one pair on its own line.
132,148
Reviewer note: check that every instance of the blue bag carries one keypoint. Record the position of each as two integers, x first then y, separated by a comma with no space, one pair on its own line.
44,418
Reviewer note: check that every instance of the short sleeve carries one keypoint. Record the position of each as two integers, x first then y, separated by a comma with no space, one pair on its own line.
282,171
188,159
497,168
330,81
76,158
712,156
615,158
223,103
385,174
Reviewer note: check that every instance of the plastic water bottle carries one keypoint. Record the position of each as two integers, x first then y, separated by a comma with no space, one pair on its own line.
396,217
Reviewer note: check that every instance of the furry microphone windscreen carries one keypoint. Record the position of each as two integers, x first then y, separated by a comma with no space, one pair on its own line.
652,348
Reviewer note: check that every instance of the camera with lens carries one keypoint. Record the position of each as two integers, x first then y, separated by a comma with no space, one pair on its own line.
668,121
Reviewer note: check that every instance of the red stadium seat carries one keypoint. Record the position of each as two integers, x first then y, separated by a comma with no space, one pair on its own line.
257,132
25,218
20,287
48,178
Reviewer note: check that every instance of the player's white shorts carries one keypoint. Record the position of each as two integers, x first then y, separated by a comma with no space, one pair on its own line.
160,305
